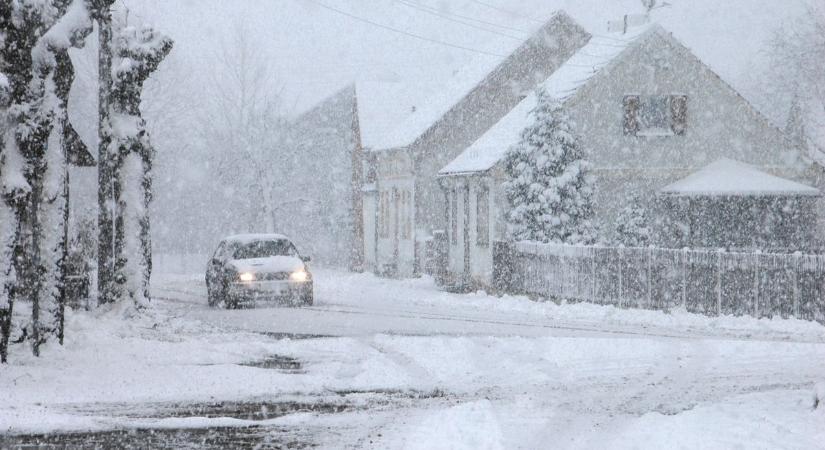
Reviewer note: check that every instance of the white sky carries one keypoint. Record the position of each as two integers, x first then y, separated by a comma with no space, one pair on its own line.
315,51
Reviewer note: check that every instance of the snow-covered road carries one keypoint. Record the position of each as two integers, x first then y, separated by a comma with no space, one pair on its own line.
419,368
349,304
530,373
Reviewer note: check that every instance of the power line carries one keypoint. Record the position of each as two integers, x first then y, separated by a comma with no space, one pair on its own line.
512,13
526,17
406,33
474,19
446,17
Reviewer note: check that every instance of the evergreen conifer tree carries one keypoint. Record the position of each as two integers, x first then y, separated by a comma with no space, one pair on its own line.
550,190
633,224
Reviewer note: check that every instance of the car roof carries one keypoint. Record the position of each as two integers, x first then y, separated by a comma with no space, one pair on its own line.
254,237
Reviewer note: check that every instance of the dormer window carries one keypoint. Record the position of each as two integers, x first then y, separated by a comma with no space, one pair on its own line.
655,115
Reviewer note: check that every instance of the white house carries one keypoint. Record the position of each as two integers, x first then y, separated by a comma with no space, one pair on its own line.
403,206
648,112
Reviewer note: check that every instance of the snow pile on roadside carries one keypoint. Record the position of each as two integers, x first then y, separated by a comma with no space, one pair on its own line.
114,355
777,420
470,426
361,288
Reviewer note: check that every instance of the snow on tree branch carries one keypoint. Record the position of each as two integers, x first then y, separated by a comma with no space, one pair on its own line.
550,190
137,52
72,28
37,76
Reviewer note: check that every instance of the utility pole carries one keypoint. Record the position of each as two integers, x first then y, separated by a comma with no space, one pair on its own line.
635,20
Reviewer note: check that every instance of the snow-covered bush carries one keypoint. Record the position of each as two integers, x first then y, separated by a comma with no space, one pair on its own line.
550,190
633,224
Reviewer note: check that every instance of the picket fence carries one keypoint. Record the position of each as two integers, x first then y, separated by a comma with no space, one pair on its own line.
700,281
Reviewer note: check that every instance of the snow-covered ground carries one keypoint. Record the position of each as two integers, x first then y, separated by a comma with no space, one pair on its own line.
404,365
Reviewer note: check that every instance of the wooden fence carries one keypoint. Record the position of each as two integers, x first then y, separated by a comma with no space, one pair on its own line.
701,281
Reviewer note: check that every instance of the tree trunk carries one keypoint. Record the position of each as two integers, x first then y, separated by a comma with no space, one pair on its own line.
9,210
145,223
9,232
105,196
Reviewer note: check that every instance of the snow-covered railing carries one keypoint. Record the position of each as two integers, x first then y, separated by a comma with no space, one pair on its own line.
701,281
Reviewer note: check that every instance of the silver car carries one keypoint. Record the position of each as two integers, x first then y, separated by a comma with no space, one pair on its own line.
251,268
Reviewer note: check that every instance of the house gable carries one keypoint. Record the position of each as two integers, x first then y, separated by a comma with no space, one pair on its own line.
720,122
563,84
592,86
501,90
485,105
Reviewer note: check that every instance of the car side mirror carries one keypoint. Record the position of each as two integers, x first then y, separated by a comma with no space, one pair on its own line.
306,259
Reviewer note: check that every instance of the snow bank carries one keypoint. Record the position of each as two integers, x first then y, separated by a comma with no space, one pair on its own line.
364,289
471,426
778,420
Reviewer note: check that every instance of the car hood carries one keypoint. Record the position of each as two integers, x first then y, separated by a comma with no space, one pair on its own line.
268,265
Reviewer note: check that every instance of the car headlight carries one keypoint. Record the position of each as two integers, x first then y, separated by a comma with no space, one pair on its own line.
246,276
300,275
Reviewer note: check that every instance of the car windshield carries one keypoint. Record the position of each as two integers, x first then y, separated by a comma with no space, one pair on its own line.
263,249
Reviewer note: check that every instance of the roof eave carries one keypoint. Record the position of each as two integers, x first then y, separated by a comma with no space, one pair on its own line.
740,194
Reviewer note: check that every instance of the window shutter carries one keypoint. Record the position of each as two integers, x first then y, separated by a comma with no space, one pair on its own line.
631,115
678,112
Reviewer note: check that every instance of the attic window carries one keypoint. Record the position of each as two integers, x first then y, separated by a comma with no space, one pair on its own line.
655,115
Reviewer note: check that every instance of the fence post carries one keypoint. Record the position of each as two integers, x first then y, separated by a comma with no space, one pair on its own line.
593,274
684,277
719,282
756,286
649,278
565,271
795,284
620,253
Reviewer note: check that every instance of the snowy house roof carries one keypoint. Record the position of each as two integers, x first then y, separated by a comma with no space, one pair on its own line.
727,177
423,108
394,115
563,84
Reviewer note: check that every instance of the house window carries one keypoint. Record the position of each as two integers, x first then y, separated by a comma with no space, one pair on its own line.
454,217
655,115
483,217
